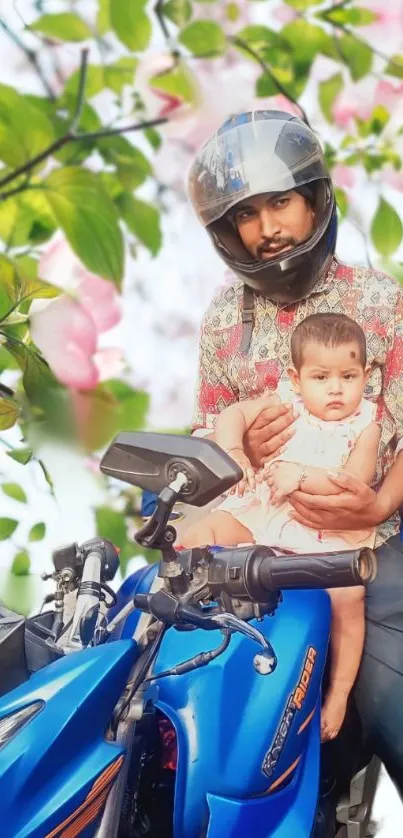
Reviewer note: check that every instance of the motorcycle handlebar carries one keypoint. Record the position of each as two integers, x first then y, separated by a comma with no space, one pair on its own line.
253,572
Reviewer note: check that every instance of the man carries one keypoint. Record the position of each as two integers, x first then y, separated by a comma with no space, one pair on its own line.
274,224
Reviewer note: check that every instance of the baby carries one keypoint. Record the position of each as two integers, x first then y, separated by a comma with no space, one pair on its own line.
334,429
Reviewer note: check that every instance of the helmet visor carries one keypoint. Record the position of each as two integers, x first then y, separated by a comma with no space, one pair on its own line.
252,157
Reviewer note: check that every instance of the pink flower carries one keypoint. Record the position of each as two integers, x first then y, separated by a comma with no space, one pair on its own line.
66,329
343,176
100,300
394,179
388,94
67,338
350,103
109,362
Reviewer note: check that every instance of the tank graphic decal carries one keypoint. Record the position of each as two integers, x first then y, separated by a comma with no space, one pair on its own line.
293,707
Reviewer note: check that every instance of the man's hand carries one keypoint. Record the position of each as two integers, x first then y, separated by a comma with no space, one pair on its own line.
355,507
268,434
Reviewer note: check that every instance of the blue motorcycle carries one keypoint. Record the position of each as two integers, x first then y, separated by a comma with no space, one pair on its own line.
187,705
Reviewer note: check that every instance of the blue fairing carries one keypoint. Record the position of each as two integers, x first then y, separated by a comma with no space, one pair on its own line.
227,716
50,766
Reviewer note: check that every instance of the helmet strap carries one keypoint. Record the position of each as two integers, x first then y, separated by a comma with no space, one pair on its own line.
248,308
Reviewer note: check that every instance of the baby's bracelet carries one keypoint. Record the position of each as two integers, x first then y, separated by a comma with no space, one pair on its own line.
303,477
234,448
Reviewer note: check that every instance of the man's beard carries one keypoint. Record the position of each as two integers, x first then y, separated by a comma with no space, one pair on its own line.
272,247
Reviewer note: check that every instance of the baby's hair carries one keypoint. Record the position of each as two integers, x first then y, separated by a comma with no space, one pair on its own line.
326,330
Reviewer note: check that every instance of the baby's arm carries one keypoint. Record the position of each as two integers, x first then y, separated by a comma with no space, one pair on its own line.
287,477
230,427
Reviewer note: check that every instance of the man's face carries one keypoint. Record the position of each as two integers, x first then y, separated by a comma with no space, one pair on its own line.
271,224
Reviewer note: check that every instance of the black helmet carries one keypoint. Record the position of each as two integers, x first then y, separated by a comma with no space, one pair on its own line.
255,153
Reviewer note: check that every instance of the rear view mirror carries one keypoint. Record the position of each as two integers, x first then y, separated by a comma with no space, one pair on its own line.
152,461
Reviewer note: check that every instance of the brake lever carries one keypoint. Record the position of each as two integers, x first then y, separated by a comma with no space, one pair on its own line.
264,662
166,608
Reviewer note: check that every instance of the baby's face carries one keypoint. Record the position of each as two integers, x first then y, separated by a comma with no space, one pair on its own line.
331,380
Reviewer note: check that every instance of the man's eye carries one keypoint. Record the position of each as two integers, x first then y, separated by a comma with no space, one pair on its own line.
320,378
281,202
349,376
244,214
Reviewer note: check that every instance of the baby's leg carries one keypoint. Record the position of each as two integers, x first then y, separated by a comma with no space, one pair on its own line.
217,528
347,640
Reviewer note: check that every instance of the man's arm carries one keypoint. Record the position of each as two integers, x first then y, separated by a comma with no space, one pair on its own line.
361,463
233,422
214,386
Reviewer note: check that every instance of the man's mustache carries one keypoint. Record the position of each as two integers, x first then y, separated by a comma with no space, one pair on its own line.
270,245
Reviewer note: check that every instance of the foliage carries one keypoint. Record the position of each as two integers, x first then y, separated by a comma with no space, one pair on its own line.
66,169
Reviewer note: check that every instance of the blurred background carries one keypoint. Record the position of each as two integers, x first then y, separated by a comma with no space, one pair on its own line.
105,273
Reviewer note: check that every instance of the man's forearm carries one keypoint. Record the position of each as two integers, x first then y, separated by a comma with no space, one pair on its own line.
390,495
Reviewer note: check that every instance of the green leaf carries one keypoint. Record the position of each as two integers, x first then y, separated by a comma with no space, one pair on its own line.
21,564
25,130
395,66
9,412
20,593
386,229
95,82
204,37
131,23
131,164
232,12
344,16
179,81
65,27
18,286
88,218
305,41
266,85
37,532
38,380
341,201
133,405
7,527
328,92
143,220
121,72
357,55
13,490
114,76
111,525
257,36
21,455
302,5
153,137
179,11
103,17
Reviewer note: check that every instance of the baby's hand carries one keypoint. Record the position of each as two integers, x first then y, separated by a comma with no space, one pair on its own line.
283,478
248,482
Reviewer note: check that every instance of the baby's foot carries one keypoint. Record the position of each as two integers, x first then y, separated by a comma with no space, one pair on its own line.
332,716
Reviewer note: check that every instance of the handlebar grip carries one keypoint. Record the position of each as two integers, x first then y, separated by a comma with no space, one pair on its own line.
327,570
255,572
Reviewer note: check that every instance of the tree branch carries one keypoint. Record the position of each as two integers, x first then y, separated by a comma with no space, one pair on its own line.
31,57
238,42
71,138
71,135
81,91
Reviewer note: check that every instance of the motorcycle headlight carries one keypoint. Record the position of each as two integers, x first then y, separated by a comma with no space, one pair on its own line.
11,724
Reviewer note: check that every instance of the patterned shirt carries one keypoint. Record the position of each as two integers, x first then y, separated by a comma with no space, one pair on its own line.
371,298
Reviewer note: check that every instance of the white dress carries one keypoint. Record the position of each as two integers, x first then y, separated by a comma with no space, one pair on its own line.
317,443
